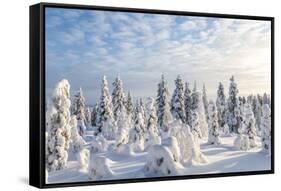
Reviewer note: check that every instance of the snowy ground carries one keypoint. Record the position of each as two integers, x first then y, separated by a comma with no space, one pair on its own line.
222,158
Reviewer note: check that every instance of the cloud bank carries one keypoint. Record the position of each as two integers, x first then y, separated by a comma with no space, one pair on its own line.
84,45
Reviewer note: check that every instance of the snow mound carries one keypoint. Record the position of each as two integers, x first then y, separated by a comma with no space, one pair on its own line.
99,168
172,144
161,162
125,150
83,159
242,142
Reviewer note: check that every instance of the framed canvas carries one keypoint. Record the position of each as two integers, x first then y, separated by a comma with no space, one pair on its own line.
121,95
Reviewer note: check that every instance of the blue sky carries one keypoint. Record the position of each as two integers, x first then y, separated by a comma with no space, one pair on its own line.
84,45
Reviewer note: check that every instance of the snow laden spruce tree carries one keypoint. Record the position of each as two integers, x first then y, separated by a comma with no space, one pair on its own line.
205,100
249,124
58,127
88,115
152,133
118,97
123,125
266,128
177,102
129,106
213,137
221,106
232,107
105,122
94,115
77,142
197,107
187,104
163,107
257,109
137,132
79,111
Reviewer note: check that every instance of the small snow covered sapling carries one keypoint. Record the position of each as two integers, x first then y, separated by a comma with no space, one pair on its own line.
83,157
195,128
266,128
79,111
122,136
213,124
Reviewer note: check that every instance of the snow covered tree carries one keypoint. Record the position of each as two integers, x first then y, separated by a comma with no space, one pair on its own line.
187,104
142,110
58,127
77,142
163,107
152,133
129,104
118,97
94,115
257,109
105,122
195,127
79,111
249,124
122,122
177,103
232,109
266,128
88,115
137,132
195,98
213,124
221,105
205,100
202,118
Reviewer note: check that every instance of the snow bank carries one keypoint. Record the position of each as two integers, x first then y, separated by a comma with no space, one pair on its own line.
99,168
161,162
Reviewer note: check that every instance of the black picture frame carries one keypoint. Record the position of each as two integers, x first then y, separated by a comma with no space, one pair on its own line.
37,94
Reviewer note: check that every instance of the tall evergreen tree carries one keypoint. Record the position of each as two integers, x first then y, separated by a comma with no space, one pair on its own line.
177,103
187,103
105,124
118,97
266,128
249,124
232,109
94,115
163,107
205,100
195,98
213,124
129,104
79,111
221,105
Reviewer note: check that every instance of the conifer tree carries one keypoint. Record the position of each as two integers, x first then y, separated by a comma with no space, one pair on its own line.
187,103
58,127
105,122
163,107
79,111
177,103
118,97
232,107
221,105
205,100
266,128
213,124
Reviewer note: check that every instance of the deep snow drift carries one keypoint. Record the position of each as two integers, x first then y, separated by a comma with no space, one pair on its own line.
222,158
